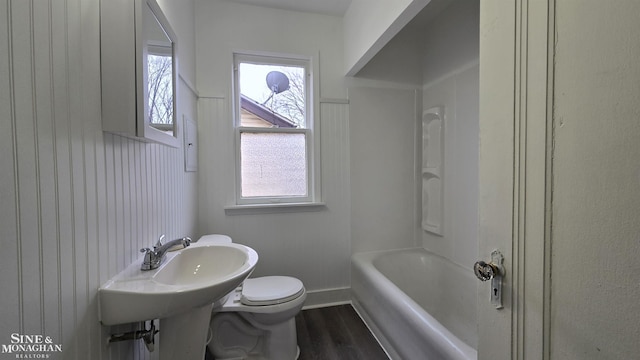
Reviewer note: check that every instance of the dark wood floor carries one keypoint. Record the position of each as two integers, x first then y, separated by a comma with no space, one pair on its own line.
334,333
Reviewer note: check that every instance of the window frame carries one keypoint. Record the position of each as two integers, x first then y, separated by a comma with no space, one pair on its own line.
311,130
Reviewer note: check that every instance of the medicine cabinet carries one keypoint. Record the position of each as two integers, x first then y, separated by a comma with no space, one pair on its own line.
139,71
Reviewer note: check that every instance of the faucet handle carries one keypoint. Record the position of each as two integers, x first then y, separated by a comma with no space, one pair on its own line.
147,254
159,243
146,263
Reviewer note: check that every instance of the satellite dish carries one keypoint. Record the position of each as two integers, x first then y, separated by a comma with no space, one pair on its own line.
277,82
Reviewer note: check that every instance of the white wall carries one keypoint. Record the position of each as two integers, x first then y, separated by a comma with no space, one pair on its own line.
370,24
223,27
382,127
313,246
76,204
181,16
451,79
595,312
450,41
398,64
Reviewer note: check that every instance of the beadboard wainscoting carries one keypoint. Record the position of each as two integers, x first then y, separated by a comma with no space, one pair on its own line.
76,203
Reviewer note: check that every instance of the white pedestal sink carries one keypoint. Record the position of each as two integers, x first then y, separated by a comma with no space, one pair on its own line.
180,293
184,336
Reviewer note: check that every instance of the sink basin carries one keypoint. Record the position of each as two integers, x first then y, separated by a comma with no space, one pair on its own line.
202,265
190,278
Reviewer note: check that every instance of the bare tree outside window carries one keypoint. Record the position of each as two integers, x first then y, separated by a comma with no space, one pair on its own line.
160,89
289,104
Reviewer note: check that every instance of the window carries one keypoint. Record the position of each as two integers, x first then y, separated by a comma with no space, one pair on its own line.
274,130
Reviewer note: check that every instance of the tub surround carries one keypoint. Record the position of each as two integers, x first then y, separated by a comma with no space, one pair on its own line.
458,93
451,80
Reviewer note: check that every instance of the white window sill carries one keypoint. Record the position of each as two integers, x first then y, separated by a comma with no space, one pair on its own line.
274,208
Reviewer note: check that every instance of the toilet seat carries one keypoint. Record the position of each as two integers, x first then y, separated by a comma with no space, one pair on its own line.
267,294
270,290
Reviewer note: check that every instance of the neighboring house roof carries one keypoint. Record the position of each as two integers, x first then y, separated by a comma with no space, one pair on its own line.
264,113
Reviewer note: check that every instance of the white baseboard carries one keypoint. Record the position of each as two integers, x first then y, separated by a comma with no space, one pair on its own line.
327,297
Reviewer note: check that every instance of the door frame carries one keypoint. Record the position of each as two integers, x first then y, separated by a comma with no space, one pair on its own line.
517,47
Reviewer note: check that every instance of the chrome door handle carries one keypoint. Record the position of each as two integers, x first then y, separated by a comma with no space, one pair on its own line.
493,271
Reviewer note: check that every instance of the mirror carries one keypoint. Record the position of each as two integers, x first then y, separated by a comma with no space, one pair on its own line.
160,74
138,61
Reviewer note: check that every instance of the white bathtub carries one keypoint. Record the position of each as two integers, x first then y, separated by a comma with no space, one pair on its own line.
419,305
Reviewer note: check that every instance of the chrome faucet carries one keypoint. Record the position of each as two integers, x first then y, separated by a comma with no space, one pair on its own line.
153,258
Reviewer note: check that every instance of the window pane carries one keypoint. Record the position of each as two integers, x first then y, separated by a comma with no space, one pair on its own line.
272,95
273,164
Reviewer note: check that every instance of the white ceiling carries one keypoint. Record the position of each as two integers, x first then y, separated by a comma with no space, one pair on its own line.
331,7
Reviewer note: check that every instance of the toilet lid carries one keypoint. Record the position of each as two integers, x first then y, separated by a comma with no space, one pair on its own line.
270,290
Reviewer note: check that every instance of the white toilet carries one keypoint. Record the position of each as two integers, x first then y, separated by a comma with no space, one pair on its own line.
257,320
